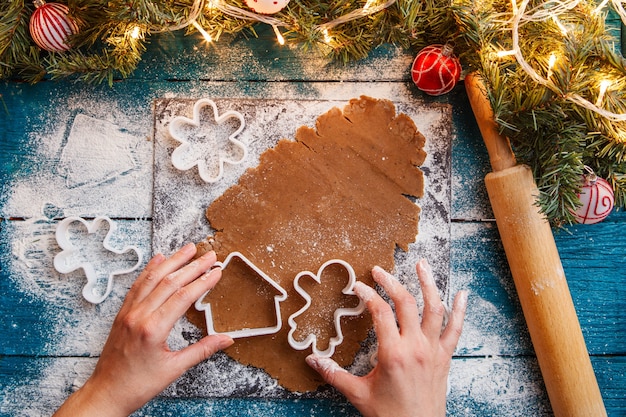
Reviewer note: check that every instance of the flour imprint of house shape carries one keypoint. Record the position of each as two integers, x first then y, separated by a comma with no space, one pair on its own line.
201,305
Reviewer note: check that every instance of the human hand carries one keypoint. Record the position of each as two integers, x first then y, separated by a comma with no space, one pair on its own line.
410,377
136,363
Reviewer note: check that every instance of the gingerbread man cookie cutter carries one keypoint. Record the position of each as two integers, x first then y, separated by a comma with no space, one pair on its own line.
182,129
245,332
311,339
72,257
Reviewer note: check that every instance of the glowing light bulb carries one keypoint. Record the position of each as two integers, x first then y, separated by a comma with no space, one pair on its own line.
502,54
279,36
551,62
604,85
135,33
204,33
327,38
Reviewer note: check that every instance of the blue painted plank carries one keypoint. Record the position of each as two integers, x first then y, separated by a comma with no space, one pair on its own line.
595,274
43,120
470,163
494,324
487,386
594,259
42,312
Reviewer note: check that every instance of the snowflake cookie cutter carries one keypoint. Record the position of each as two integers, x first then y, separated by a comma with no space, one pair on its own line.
245,332
72,258
311,339
183,155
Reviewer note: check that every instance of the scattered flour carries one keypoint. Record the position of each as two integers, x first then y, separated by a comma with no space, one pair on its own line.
118,182
180,199
90,157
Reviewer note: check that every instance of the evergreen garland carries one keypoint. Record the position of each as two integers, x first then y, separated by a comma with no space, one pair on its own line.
549,132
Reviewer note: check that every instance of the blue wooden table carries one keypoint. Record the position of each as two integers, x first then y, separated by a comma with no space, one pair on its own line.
50,336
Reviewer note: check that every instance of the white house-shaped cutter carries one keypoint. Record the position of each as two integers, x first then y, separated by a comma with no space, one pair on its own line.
246,332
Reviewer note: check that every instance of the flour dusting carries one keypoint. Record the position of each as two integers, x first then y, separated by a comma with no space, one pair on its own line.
181,198
91,157
72,173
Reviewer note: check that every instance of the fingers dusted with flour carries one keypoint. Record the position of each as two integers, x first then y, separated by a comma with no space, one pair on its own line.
410,375
136,363
434,310
405,304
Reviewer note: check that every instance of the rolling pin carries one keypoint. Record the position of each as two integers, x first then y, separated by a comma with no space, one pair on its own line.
537,272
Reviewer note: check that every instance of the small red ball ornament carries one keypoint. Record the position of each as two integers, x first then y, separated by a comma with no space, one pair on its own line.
436,70
50,26
597,199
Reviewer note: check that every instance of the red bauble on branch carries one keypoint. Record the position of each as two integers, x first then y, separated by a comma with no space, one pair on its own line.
597,199
436,70
50,26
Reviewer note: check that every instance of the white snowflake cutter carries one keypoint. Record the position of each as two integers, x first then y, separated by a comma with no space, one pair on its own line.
71,257
183,156
311,339
247,332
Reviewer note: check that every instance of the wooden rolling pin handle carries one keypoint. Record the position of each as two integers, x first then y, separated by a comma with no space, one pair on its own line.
501,155
538,275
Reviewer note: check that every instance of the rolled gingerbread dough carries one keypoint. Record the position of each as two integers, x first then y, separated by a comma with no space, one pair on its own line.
342,190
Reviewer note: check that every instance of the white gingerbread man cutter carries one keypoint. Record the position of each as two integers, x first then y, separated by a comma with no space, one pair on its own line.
311,339
72,257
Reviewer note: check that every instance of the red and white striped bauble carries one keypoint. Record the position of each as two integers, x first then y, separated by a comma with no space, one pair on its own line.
597,199
436,70
50,26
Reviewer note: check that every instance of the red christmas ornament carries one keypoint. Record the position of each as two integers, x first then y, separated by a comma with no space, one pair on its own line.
436,70
597,199
50,26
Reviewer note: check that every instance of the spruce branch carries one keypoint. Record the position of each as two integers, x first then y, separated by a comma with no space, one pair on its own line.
549,131
14,37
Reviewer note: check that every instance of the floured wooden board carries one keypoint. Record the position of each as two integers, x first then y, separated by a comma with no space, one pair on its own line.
180,199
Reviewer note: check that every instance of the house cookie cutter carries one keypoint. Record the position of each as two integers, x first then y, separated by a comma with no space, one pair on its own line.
311,339
177,131
246,332
71,259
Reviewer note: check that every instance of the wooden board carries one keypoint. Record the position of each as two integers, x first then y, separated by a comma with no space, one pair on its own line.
181,197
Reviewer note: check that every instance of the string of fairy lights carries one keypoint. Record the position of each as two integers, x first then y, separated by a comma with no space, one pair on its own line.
550,10
369,8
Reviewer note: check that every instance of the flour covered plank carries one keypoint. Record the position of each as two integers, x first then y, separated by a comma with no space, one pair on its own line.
339,191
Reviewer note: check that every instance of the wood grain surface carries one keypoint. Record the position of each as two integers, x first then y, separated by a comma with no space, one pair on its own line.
51,337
